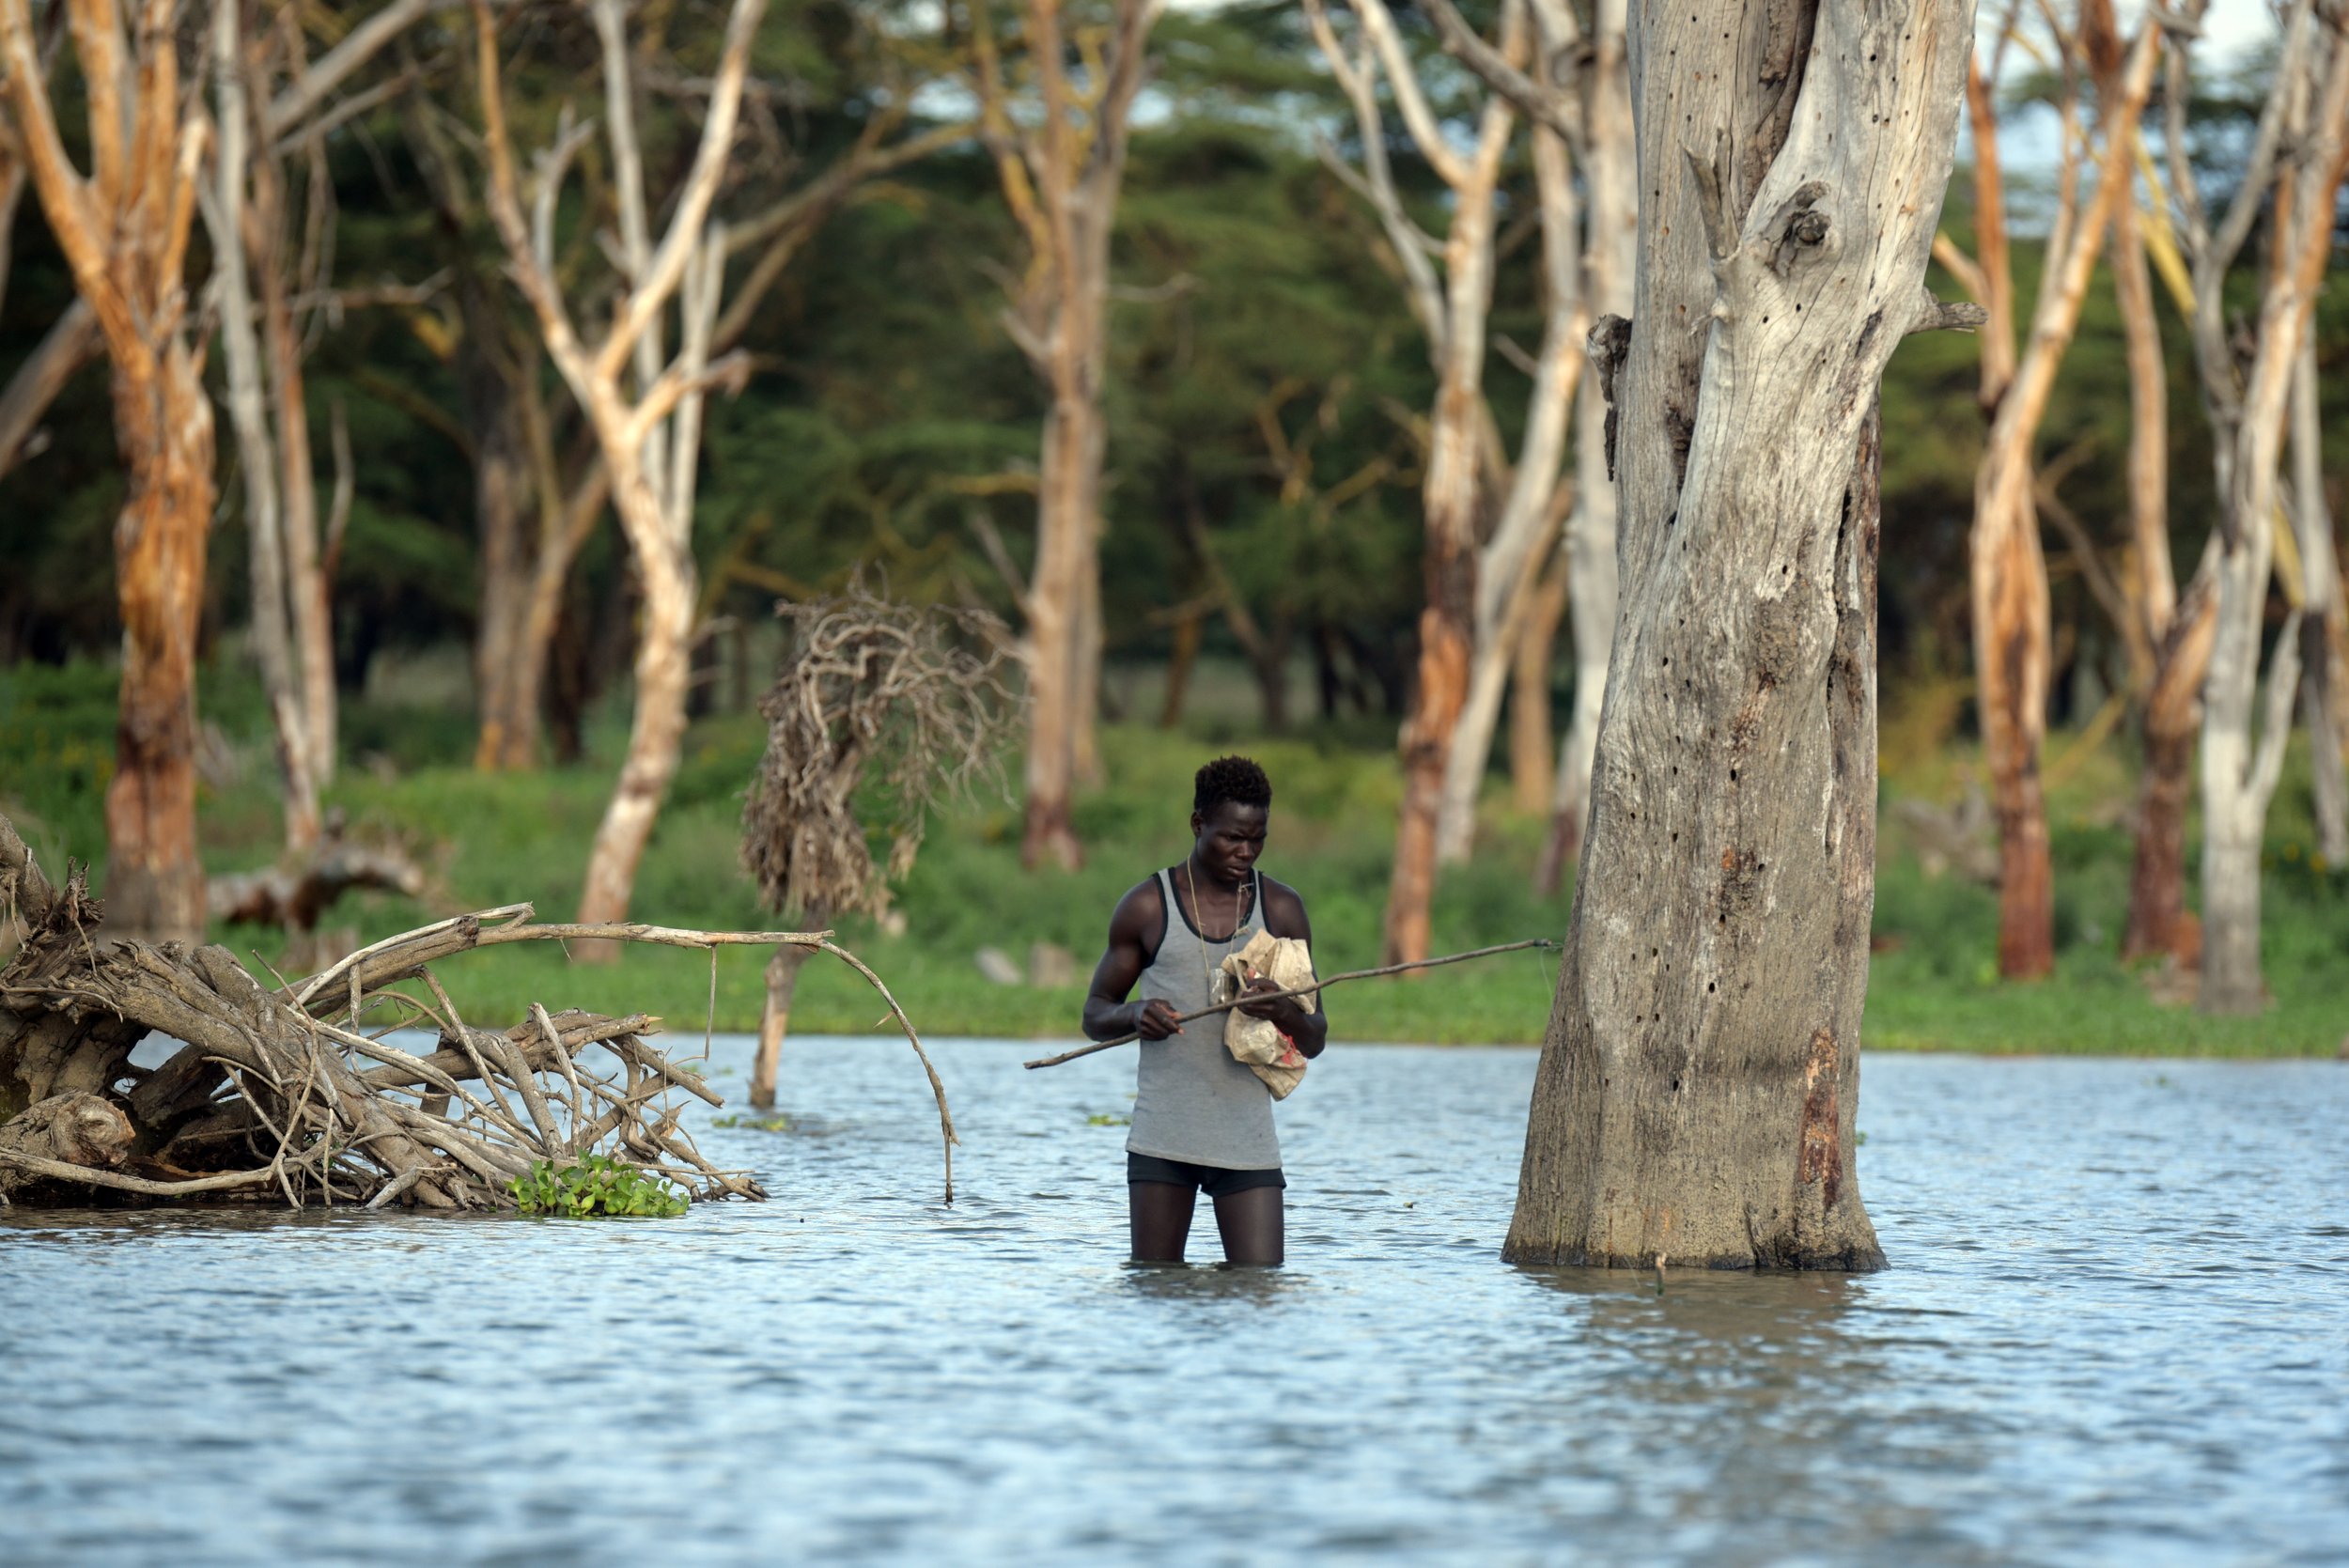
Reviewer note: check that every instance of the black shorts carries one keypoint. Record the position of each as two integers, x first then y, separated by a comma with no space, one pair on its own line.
1213,1180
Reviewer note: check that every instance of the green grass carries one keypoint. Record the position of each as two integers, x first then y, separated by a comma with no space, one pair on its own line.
491,840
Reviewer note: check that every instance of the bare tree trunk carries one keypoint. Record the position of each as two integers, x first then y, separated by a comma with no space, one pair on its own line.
1609,167
1698,1084
1060,176
2175,654
1056,609
163,427
502,502
2008,569
2158,920
655,504
124,231
2320,624
256,453
1510,565
2304,138
1533,749
774,1021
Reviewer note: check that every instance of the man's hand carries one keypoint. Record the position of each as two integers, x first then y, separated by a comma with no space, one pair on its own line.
1283,1011
1155,1018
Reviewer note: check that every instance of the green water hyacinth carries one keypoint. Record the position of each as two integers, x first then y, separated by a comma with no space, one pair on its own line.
596,1188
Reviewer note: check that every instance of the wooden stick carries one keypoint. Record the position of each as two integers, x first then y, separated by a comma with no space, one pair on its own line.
1302,990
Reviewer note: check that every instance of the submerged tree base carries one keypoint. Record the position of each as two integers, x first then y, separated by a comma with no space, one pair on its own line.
291,1093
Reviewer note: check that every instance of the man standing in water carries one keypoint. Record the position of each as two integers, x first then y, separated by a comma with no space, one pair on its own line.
1203,1120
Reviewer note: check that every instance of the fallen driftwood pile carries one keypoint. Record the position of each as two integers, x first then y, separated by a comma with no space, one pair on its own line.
292,1092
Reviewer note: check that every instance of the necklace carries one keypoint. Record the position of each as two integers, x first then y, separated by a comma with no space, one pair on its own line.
1199,920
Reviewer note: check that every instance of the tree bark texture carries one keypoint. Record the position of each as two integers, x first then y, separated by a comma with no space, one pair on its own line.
1699,1079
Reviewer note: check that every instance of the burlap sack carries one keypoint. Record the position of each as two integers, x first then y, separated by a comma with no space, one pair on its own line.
1258,1042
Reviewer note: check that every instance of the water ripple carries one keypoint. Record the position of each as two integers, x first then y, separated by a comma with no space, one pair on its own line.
2113,1332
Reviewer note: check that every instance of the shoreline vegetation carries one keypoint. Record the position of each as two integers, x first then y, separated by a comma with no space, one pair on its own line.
487,839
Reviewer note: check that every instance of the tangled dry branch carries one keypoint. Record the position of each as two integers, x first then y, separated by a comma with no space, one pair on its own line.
880,706
297,1090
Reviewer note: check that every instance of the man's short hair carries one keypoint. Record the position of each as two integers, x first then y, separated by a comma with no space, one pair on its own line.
1233,779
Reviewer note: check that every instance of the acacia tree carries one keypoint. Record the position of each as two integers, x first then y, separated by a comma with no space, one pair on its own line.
1581,90
648,433
2298,156
2008,566
124,229
1699,1077
1450,307
1061,166
539,483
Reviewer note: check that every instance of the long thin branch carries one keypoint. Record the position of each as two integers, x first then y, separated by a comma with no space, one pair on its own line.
1303,991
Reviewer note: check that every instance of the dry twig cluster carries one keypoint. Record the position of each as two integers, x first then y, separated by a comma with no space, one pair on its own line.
910,700
297,1091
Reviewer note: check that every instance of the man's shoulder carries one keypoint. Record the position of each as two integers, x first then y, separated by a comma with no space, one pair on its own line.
1142,901
1284,908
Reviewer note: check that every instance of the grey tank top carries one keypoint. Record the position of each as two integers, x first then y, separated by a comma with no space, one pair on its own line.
1192,1101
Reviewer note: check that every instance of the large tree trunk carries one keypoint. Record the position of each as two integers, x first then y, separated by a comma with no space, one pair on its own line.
1695,1099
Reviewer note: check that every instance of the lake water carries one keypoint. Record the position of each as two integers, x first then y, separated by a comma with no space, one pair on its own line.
2116,1330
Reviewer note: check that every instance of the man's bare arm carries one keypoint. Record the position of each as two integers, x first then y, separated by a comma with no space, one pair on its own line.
1107,1014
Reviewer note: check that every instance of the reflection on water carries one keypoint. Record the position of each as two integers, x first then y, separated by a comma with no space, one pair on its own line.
2115,1332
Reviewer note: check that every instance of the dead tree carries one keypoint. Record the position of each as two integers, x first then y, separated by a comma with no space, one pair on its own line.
2007,565
645,406
1694,1103
124,231
2298,156
272,107
871,693
298,1092
2322,627
1451,305
1061,166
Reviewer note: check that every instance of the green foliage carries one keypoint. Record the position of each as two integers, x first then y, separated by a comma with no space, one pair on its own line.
596,1188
